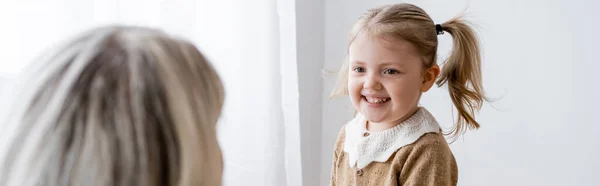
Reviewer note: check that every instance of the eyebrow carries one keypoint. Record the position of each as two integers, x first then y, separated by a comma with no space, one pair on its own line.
357,62
387,63
384,63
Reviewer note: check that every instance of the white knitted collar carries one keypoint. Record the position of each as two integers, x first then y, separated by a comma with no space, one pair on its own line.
379,146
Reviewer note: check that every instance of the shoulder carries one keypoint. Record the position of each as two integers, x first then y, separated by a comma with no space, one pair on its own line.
339,142
430,143
428,161
430,147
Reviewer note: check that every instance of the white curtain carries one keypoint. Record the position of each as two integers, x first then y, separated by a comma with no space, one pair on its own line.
251,43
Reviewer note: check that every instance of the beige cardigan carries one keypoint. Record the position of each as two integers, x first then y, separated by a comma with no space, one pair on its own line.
426,162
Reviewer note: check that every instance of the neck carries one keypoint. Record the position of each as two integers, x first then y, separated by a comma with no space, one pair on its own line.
377,127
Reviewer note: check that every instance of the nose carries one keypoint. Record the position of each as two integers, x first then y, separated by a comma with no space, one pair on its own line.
372,82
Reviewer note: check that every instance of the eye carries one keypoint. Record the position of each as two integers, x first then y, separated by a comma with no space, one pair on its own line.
391,71
359,69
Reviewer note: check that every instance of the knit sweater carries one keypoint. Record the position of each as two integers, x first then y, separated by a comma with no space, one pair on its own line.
413,153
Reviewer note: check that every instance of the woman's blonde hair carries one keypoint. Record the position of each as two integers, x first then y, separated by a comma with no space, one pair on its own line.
461,71
116,106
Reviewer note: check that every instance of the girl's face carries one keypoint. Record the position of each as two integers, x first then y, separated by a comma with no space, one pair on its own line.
386,78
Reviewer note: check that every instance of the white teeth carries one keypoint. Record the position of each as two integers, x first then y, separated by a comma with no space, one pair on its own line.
376,100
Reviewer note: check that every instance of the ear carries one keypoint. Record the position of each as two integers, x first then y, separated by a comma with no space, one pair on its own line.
429,77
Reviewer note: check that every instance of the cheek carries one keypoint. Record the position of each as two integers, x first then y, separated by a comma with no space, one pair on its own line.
406,91
354,88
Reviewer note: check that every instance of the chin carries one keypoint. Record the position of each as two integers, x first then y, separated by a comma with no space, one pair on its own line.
375,118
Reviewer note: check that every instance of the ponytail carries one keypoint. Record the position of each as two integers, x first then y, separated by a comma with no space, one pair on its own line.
462,73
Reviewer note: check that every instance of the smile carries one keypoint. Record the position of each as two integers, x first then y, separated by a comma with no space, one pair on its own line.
373,100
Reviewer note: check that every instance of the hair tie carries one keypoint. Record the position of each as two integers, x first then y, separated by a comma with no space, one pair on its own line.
439,29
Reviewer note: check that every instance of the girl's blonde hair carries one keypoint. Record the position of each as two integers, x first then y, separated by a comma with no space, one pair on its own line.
461,71
117,106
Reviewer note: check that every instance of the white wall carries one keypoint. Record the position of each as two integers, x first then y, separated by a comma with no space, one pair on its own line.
310,53
538,60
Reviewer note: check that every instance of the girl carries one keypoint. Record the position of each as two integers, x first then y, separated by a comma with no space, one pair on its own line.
391,62
116,106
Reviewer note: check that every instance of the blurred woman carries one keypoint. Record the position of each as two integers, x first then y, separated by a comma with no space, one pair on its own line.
121,106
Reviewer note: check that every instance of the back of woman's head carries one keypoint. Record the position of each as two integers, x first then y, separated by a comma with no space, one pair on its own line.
116,106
